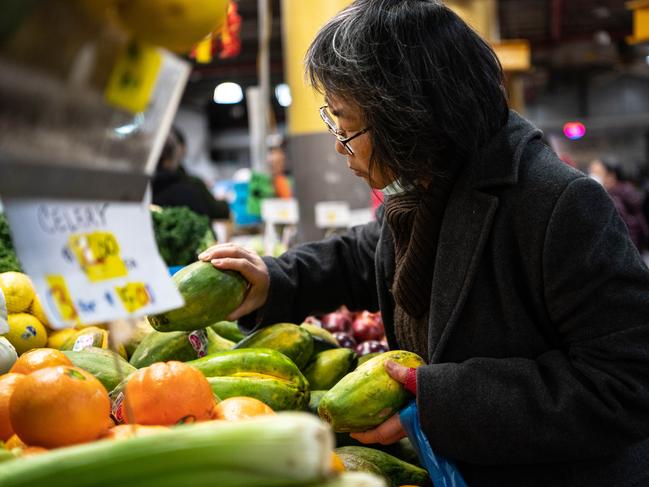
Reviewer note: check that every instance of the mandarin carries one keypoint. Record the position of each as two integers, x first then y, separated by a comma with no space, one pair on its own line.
59,406
241,407
166,394
37,359
8,383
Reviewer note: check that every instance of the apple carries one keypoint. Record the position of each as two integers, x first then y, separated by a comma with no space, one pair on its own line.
370,346
336,321
344,339
367,327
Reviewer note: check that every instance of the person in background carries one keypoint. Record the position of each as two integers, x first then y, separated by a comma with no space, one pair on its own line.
277,165
172,186
627,199
509,272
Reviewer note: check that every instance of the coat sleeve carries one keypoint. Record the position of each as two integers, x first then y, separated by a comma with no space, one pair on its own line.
319,277
589,397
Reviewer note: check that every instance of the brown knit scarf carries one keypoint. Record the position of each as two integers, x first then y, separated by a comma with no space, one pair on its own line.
415,219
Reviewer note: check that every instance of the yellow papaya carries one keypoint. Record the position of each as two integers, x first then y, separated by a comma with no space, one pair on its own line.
367,396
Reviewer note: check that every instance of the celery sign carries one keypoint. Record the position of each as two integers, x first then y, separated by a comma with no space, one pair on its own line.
91,261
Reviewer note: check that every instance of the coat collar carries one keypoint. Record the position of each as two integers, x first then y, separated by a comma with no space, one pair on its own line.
497,163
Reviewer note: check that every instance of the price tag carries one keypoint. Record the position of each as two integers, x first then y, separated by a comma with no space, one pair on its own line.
4,325
90,261
134,296
280,211
133,78
332,214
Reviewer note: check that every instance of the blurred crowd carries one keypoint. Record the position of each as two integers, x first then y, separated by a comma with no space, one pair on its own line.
631,199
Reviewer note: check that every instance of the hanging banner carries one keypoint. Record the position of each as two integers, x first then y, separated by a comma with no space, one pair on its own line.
91,261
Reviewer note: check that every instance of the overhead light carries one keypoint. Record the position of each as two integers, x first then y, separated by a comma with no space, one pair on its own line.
574,130
228,93
283,94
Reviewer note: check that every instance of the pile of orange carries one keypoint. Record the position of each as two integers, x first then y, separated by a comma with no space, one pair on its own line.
46,402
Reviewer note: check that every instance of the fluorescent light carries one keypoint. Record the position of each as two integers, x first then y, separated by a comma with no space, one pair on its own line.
228,93
283,94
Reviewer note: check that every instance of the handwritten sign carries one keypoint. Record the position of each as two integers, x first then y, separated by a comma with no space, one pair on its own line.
90,261
332,214
280,211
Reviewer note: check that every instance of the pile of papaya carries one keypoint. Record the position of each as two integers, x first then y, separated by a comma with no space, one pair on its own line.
286,366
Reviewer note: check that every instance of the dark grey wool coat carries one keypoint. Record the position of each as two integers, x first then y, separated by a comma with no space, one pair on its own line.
538,371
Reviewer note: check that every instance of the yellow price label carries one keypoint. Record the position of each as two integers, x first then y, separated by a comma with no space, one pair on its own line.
133,78
58,289
98,254
134,296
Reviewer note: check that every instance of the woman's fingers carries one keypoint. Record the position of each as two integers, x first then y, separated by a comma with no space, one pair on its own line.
250,266
386,433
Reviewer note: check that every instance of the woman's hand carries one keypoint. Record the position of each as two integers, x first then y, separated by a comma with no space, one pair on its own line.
391,430
250,265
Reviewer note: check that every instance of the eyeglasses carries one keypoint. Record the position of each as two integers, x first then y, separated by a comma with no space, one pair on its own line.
328,119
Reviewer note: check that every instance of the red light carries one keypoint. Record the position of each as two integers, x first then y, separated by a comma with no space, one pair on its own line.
574,130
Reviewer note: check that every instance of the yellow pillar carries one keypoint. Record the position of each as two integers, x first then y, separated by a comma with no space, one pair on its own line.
301,20
514,54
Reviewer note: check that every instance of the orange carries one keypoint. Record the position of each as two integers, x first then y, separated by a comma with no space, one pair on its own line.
59,406
166,394
241,407
39,358
8,383
337,464
123,431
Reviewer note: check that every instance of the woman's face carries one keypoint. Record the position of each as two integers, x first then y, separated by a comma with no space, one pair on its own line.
349,121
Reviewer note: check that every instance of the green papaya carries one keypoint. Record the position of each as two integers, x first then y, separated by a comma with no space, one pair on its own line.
328,367
279,395
177,345
367,396
251,361
354,463
322,339
314,400
142,329
395,471
291,340
209,293
264,374
107,366
229,330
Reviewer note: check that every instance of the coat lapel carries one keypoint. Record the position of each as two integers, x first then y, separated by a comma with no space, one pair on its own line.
466,226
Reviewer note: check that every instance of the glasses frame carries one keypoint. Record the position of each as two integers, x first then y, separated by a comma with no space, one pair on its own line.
335,131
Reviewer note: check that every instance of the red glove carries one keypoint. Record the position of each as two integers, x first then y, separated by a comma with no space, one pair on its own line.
411,381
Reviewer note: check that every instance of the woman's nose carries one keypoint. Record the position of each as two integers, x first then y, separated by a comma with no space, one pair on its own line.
340,148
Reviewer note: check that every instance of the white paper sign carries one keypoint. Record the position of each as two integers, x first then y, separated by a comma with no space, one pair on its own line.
280,211
332,214
4,325
91,261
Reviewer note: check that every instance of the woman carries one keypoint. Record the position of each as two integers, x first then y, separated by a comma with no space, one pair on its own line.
508,271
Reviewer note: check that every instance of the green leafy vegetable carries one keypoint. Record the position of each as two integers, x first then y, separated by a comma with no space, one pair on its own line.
181,234
8,259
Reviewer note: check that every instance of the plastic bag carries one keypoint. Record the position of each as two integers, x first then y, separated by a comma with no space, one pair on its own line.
442,472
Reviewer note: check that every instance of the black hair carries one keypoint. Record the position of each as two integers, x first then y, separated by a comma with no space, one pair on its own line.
430,88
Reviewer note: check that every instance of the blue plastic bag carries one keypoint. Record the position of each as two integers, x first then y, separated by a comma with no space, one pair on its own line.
442,472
